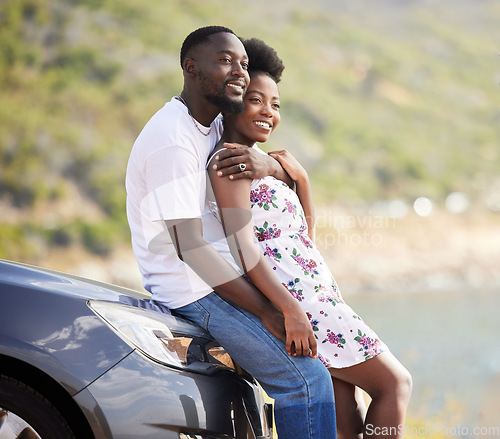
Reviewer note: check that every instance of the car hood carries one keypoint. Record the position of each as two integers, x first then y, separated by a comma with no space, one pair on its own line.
16,273
45,322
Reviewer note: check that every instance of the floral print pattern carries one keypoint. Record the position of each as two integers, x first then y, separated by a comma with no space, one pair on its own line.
280,231
335,339
295,290
369,346
308,265
272,253
328,295
265,232
306,240
264,197
290,208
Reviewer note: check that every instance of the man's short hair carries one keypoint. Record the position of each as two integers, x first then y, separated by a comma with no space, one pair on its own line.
199,37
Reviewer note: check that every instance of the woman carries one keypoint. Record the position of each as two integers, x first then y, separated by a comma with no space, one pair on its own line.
270,232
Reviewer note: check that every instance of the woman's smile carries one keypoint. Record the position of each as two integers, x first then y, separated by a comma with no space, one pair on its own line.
261,113
263,124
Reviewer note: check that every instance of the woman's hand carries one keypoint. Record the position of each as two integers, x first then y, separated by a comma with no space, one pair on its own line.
300,338
274,322
290,164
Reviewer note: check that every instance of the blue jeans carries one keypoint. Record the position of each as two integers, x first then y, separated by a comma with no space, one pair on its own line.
301,387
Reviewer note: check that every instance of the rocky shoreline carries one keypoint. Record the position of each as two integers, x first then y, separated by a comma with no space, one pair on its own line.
417,254
368,253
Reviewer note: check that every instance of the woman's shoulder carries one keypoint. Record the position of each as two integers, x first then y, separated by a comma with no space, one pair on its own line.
256,147
211,158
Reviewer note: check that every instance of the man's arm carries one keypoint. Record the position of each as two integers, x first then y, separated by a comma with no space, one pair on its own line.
258,165
207,263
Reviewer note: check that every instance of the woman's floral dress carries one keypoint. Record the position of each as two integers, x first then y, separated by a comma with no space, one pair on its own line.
280,229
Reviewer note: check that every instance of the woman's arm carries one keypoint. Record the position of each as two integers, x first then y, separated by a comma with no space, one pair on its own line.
299,175
187,236
233,200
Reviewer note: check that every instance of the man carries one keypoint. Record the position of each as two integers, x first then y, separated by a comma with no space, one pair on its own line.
180,246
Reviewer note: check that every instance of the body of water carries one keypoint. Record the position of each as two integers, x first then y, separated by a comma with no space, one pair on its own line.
450,342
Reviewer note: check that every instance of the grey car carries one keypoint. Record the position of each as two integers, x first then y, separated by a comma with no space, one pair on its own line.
82,359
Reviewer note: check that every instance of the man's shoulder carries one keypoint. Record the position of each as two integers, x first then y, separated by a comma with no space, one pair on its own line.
165,128
166,118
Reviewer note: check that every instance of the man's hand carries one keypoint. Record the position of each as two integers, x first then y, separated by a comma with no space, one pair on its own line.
257,165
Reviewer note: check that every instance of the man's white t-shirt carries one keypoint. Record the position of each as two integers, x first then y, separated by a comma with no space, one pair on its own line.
166,179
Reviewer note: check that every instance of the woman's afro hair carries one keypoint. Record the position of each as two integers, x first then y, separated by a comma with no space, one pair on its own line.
263,59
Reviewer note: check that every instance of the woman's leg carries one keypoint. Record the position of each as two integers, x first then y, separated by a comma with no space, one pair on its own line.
351,410
389,384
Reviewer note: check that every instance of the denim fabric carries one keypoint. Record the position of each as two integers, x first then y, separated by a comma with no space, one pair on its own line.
301,387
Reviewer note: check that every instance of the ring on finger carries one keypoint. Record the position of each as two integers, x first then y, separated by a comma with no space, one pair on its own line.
242,167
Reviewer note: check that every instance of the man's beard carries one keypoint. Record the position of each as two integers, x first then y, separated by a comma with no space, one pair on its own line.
217,96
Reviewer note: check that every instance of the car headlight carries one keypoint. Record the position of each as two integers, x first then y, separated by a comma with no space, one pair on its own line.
164,338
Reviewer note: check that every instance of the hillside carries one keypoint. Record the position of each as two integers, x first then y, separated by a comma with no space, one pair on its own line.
380,100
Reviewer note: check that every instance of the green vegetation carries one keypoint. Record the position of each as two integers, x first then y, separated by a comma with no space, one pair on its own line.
380,100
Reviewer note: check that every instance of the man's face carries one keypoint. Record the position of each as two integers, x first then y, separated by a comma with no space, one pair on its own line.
222,72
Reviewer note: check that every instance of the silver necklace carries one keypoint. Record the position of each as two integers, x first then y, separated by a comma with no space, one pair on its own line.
179,98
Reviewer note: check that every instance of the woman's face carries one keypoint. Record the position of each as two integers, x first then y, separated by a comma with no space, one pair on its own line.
261,114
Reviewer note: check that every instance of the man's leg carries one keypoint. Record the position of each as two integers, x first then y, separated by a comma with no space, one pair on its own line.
301,387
